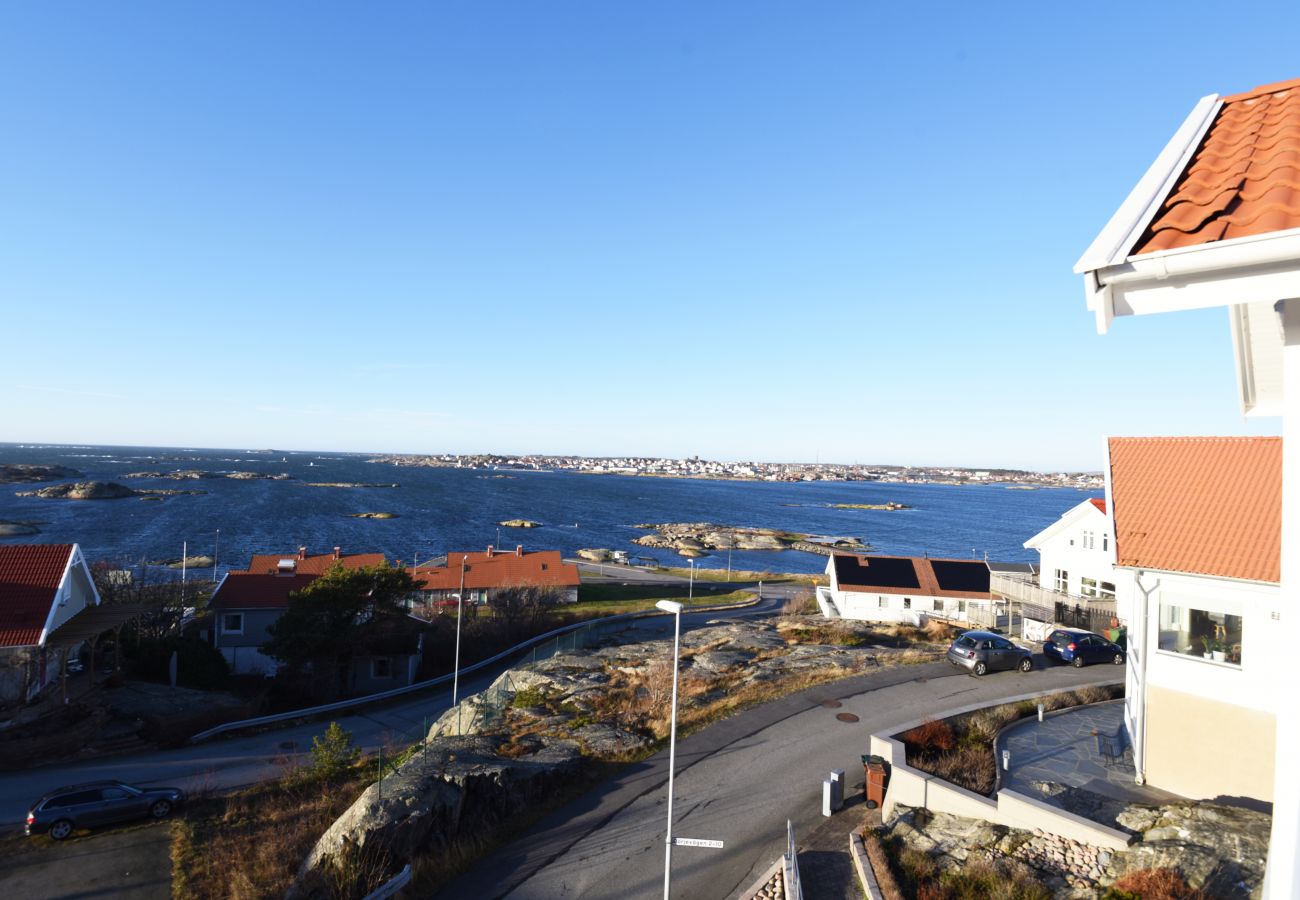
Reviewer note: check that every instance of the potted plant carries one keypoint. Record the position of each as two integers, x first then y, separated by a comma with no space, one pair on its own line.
1219,651
1208,643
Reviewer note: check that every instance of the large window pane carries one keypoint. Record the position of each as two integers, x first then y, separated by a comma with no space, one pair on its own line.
1200,633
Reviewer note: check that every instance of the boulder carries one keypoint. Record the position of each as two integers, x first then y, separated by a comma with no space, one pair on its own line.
595,554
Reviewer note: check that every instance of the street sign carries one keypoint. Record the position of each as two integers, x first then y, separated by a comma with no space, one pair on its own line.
697,842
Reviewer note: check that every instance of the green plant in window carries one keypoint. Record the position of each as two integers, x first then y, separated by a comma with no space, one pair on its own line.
1208,643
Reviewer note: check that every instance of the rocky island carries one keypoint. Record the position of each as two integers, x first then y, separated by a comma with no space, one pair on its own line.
373,515
22,473
196,474
18,529
347,484
519,523
99,490
695,539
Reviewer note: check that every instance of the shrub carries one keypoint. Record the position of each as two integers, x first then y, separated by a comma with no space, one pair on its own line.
528,698
1153,884
1093,694
198,663
332,753
930,737
882,867
939,632
970,766
803,603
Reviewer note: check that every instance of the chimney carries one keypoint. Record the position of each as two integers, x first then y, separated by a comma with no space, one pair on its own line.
519,550
489,553
336,552
302,552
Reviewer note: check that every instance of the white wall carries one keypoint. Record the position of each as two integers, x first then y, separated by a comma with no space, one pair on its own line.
1065,549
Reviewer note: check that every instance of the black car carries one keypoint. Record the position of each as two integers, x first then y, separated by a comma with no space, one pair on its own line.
983,651
64,810
1076,647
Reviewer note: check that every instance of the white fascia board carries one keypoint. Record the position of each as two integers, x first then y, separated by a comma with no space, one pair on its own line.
1257,355
1068,519
54,601
1128,223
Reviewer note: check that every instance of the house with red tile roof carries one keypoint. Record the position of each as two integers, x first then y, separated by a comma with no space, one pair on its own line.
246,603
1198,529
1215,222
903,588
1077,563
482,573
43,587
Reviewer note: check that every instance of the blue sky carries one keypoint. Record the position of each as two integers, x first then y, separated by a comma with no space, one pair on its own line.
741,230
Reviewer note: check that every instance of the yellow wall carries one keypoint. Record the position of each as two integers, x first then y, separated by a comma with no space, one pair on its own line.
1203,749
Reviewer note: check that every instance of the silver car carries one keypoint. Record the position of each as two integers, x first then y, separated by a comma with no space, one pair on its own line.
979,652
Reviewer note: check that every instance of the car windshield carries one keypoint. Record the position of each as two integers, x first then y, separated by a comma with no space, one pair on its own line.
966,642
1063,638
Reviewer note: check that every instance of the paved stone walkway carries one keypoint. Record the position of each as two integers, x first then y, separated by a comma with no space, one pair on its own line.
1063,749
825,868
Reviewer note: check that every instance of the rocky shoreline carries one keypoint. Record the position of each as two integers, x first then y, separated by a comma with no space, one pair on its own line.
696,539
24,473
197,474
101,490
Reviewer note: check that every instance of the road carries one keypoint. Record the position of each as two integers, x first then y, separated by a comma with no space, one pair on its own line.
227,763
737,781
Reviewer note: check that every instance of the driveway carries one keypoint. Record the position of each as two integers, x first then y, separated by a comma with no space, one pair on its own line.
737,781
132,863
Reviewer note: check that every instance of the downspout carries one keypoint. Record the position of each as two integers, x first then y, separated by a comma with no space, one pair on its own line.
1140,756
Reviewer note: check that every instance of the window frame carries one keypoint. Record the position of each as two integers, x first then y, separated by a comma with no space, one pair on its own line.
225,623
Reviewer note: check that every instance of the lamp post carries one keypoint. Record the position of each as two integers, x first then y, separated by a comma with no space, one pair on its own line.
690,590
460,608
676,610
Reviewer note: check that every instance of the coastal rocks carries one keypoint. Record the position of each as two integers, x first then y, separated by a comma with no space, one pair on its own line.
1220,849
519,523
597,554
891,506
348,484
373,515
196,474
23,473
191,562
694,539
18,529
451,787
82,490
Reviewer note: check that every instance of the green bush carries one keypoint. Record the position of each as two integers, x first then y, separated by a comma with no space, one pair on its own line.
198,663
332,753
528,698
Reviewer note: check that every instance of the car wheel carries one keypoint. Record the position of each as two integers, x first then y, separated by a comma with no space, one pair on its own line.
1026,664
1119,659
980,668
1077,662
161,809
60,829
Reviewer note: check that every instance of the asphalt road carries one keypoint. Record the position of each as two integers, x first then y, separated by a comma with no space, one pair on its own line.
132,863
227,763
737,781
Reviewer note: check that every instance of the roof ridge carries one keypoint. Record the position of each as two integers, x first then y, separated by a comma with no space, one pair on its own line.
1263,90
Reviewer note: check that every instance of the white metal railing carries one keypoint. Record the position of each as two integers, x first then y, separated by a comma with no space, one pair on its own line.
390,888
424,685
793,886
1027,590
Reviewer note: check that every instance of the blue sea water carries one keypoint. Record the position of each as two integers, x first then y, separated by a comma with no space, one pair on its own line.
441,510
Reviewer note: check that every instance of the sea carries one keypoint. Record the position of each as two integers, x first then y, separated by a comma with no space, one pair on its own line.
441,510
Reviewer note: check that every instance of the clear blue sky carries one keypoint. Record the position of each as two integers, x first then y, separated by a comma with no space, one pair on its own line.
743,230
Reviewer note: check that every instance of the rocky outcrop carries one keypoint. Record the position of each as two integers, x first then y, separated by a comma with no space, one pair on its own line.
452,787
191,562
196,474
18,529
82,490
694,539
595,554
373,515
519,523
348,484
22,473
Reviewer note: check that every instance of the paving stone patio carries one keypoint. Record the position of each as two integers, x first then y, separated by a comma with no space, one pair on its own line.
1063,749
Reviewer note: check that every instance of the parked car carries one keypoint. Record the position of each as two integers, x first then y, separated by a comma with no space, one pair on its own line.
1077,647
64,810
983,651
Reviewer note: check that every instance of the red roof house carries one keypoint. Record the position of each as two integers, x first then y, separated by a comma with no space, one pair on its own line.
491,570
41,587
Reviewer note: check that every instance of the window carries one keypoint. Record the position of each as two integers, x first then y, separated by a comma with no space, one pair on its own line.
1105,541
381,667
75,799
1091,587
907,603
115,793
884,602
961,606
1001,644
1062,581
1200,633
232,623
1088,540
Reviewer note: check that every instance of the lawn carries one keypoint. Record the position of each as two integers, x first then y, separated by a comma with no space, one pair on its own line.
610,599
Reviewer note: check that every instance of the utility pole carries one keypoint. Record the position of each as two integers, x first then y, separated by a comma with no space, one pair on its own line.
216,548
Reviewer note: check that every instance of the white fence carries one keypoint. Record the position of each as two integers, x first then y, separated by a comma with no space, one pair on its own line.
793,887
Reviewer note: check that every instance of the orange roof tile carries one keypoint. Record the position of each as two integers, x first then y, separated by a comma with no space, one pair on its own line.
268,563
1099,503
30,575
497,569
1205,505
1244,178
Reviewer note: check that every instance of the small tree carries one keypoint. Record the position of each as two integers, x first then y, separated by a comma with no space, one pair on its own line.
332,753
525,606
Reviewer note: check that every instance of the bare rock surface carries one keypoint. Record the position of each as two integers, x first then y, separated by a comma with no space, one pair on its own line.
24,473
82,490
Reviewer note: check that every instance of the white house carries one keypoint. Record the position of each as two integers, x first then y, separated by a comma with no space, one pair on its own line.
1198,525
903,588
1214,223
1076,553
43,587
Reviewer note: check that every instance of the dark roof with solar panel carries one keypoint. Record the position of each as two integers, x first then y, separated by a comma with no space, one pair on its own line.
961,576
876,571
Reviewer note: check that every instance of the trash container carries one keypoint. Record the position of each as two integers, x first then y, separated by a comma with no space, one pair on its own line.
873,771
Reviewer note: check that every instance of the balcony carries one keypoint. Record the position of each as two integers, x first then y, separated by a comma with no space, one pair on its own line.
1038,602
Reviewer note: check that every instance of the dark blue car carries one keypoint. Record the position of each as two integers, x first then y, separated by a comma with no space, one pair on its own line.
1077,647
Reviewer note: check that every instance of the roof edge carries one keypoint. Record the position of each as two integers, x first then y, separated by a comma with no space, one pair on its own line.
1113,243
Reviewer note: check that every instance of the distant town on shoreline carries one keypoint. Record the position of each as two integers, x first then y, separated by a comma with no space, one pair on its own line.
694,467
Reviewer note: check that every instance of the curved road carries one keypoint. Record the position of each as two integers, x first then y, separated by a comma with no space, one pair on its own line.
737,781
224,764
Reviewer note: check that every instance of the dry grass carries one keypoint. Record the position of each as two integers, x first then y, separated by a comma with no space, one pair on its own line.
803,603
882,868
1154,884
249,844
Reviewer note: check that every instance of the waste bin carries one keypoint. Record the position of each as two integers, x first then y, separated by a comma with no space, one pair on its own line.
873,772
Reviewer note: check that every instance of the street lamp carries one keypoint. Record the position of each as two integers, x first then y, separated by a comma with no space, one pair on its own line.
690,591
460,609
676,609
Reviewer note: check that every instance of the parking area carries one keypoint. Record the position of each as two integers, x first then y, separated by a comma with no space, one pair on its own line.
133,862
